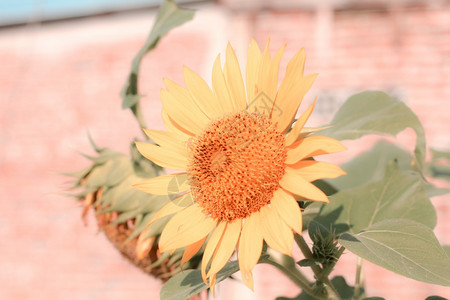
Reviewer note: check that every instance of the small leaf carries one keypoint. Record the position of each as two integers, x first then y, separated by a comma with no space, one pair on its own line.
440,164
140,226
130,100
126,216
436,298
78,174
309,262
190,282
403,246
375,112
437,154
93,144
143,167
344,290
399,194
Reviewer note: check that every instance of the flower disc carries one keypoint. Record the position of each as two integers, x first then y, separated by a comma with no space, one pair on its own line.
236,165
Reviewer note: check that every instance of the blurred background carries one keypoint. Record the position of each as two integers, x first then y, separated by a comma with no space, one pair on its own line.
63,64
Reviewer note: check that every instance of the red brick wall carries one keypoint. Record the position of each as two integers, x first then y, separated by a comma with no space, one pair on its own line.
58,80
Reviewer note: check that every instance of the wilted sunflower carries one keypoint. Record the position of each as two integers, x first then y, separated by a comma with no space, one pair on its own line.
242,165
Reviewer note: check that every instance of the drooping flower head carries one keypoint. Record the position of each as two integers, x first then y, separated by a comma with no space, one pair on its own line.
242,163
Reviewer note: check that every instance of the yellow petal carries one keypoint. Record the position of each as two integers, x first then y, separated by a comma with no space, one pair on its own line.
211,246
268,76
185,228
220,88
297,185
250,247
165,185
202,94
191,250
312,146
264,69
164,157
252,70
289,100
288,209
272,80
212,284
172,207
192,119
168,140
266,83
295,66
233,77
172,126
226,247
311,170
293,135
276,233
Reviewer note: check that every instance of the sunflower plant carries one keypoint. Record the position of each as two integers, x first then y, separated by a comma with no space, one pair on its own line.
247,184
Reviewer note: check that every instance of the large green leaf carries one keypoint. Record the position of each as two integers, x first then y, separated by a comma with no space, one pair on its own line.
447,249
169,16
403,246
370,166
374,112
399,194
189,283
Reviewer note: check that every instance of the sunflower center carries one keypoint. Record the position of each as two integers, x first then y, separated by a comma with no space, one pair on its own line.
237,163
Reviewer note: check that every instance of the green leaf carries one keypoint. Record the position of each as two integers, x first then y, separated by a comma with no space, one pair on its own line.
399,194
438,154
93,144
126,216
433,191
403,246
344,290
309,213
307,262
447,249
375,112
78,174
436,298
370,166
190,282
143,167
169,16
440,164
141,225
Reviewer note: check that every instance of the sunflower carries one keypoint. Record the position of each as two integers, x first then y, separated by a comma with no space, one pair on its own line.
242,161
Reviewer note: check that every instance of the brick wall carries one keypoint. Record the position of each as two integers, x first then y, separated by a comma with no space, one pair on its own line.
58,80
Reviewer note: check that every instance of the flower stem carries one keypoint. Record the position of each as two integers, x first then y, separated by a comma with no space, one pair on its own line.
321,275
137,112
326,271
356,293
291,272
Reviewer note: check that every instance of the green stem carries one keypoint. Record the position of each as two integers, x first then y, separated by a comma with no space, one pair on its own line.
326,271
321,275
292,273
358,276
137,112
307,253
